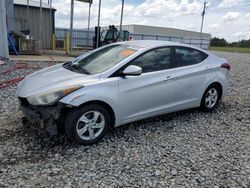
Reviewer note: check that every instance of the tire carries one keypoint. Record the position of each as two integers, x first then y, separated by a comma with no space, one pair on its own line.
88,124
210,98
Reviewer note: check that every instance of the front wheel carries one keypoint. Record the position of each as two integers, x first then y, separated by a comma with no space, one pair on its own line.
210,98
87,125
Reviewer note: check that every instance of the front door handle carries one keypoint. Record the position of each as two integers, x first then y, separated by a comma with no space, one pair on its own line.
168,78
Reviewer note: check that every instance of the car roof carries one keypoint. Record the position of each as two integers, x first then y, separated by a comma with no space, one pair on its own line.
155,43
147,43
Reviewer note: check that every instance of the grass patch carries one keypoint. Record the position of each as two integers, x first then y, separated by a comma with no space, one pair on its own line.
231,49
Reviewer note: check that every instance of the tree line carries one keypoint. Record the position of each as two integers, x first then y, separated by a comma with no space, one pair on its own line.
222,42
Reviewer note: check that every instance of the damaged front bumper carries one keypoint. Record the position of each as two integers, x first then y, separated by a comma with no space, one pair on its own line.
44,119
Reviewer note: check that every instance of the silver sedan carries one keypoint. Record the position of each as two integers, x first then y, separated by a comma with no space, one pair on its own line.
121,83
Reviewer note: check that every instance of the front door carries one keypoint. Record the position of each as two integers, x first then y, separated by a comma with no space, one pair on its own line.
150,93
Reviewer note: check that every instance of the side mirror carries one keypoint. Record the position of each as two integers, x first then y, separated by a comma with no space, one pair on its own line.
132,70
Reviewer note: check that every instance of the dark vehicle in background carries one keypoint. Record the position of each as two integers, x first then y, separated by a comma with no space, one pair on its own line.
111,35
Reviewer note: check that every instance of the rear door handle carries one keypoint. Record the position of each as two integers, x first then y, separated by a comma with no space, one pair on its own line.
208,69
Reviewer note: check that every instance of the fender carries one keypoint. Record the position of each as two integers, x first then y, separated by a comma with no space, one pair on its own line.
107,92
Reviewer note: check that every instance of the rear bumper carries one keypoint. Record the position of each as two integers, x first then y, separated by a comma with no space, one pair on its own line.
43,119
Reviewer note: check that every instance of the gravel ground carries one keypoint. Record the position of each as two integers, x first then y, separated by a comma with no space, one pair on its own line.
184,149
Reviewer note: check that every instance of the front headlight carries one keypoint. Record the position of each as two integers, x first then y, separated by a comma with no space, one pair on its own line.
50,97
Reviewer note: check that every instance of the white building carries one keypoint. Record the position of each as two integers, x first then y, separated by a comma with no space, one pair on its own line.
144,32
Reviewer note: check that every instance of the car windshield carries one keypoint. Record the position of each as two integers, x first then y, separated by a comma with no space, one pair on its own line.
100,60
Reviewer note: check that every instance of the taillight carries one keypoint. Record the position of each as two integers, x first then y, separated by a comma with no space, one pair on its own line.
226,66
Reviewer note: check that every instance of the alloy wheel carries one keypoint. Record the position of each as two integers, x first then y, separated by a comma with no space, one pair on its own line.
211,98
90,125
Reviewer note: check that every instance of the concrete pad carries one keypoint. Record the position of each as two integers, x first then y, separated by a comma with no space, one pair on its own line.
74,53
47,58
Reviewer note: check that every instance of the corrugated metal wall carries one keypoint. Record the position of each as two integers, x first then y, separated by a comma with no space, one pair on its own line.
21,23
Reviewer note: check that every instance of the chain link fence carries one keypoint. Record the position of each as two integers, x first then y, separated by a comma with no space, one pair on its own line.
80,38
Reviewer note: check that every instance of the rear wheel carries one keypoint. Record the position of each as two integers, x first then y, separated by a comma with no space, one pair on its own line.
210,98
87,125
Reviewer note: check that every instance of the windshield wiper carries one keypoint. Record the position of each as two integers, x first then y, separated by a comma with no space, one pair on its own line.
67,64
75,67
80,68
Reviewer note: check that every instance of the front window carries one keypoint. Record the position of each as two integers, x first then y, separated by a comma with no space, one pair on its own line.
101,60
154,60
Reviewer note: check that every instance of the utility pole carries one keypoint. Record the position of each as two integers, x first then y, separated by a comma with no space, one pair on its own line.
98,24
28,14
50,21
71,26
90,3
202,21
41,26
4,51
203,14
121,15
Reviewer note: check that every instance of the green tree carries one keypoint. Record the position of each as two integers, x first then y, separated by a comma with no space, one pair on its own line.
218,42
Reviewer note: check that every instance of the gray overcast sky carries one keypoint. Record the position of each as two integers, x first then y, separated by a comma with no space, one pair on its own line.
224,18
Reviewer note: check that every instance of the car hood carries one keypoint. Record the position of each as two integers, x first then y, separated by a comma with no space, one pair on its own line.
55,77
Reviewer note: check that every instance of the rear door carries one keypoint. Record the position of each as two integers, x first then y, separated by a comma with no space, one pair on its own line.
153,91
192,73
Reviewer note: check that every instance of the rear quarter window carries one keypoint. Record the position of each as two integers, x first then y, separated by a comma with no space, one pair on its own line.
185,56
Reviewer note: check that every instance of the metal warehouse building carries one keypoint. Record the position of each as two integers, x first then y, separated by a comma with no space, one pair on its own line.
144,32
29,18
165,31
